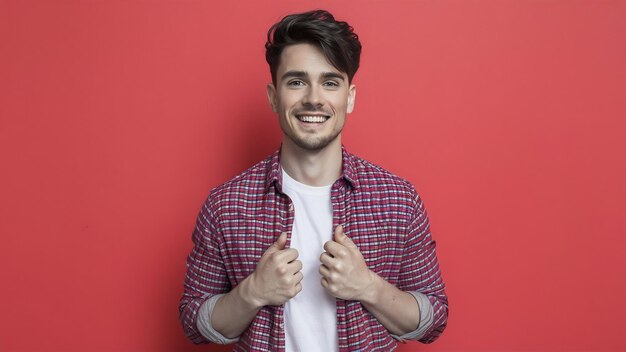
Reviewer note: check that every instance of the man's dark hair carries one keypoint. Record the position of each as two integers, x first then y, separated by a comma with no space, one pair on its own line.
336,39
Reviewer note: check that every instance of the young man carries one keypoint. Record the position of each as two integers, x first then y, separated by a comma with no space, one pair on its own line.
313,249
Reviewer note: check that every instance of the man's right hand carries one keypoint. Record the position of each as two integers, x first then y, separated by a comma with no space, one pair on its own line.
275,280
277,277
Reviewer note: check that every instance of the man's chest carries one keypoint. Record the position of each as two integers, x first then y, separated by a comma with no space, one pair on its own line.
376,226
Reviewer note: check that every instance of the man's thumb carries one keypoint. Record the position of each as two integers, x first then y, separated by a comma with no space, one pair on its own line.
280,243
341,238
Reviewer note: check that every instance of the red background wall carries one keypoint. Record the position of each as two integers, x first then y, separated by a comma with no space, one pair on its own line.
118,117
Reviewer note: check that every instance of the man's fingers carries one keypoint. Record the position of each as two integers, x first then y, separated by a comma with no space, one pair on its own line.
295,266
298,277
325,258
298,287
324,282
336,249
324,271
341,238
288,255
279,244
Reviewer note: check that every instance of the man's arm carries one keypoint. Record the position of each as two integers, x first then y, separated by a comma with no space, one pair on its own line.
420,271
345,275
275,280
206,275
397,310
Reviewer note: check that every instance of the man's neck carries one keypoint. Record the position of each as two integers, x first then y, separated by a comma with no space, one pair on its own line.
314,168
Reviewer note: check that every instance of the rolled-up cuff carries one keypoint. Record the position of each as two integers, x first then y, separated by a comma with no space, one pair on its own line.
204,322
426,318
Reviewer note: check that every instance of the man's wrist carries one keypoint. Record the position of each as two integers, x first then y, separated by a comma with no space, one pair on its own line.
247,295
372,291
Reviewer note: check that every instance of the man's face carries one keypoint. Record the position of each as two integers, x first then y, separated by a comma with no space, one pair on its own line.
311,98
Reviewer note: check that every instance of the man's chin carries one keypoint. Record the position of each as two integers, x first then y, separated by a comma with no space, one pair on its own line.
315,145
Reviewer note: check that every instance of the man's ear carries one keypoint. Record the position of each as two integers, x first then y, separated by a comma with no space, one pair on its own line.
271,96
351,98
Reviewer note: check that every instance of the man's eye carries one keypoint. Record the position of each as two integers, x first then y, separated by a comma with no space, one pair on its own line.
331,84
295,83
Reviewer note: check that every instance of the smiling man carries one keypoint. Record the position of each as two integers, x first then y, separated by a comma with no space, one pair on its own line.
313,249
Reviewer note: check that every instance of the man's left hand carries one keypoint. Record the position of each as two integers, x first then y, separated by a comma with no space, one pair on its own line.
344,272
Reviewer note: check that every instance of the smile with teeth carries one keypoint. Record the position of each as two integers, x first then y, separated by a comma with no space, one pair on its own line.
312,118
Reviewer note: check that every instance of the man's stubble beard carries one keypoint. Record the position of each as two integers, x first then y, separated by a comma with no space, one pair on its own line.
312,144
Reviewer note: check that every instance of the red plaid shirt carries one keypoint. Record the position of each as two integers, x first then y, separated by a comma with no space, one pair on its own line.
380,212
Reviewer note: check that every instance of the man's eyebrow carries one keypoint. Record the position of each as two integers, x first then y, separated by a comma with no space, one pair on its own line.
294,74
336,75
302,74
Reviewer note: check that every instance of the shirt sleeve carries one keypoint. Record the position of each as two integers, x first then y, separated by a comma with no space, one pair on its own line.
420,273
204,322
206,275
426,318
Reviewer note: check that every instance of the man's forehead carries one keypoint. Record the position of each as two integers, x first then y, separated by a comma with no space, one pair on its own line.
306,60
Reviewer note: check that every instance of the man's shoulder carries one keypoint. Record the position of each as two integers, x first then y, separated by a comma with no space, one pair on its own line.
379,188
249,183
374,177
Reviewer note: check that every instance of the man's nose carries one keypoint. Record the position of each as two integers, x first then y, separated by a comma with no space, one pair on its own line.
312,97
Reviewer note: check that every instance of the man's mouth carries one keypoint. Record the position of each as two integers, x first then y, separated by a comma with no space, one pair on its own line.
312,118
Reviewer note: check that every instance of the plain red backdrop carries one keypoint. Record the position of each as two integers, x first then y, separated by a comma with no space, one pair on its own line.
118,117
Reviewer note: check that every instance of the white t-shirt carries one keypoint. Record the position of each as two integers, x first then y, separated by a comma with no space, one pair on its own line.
310,316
